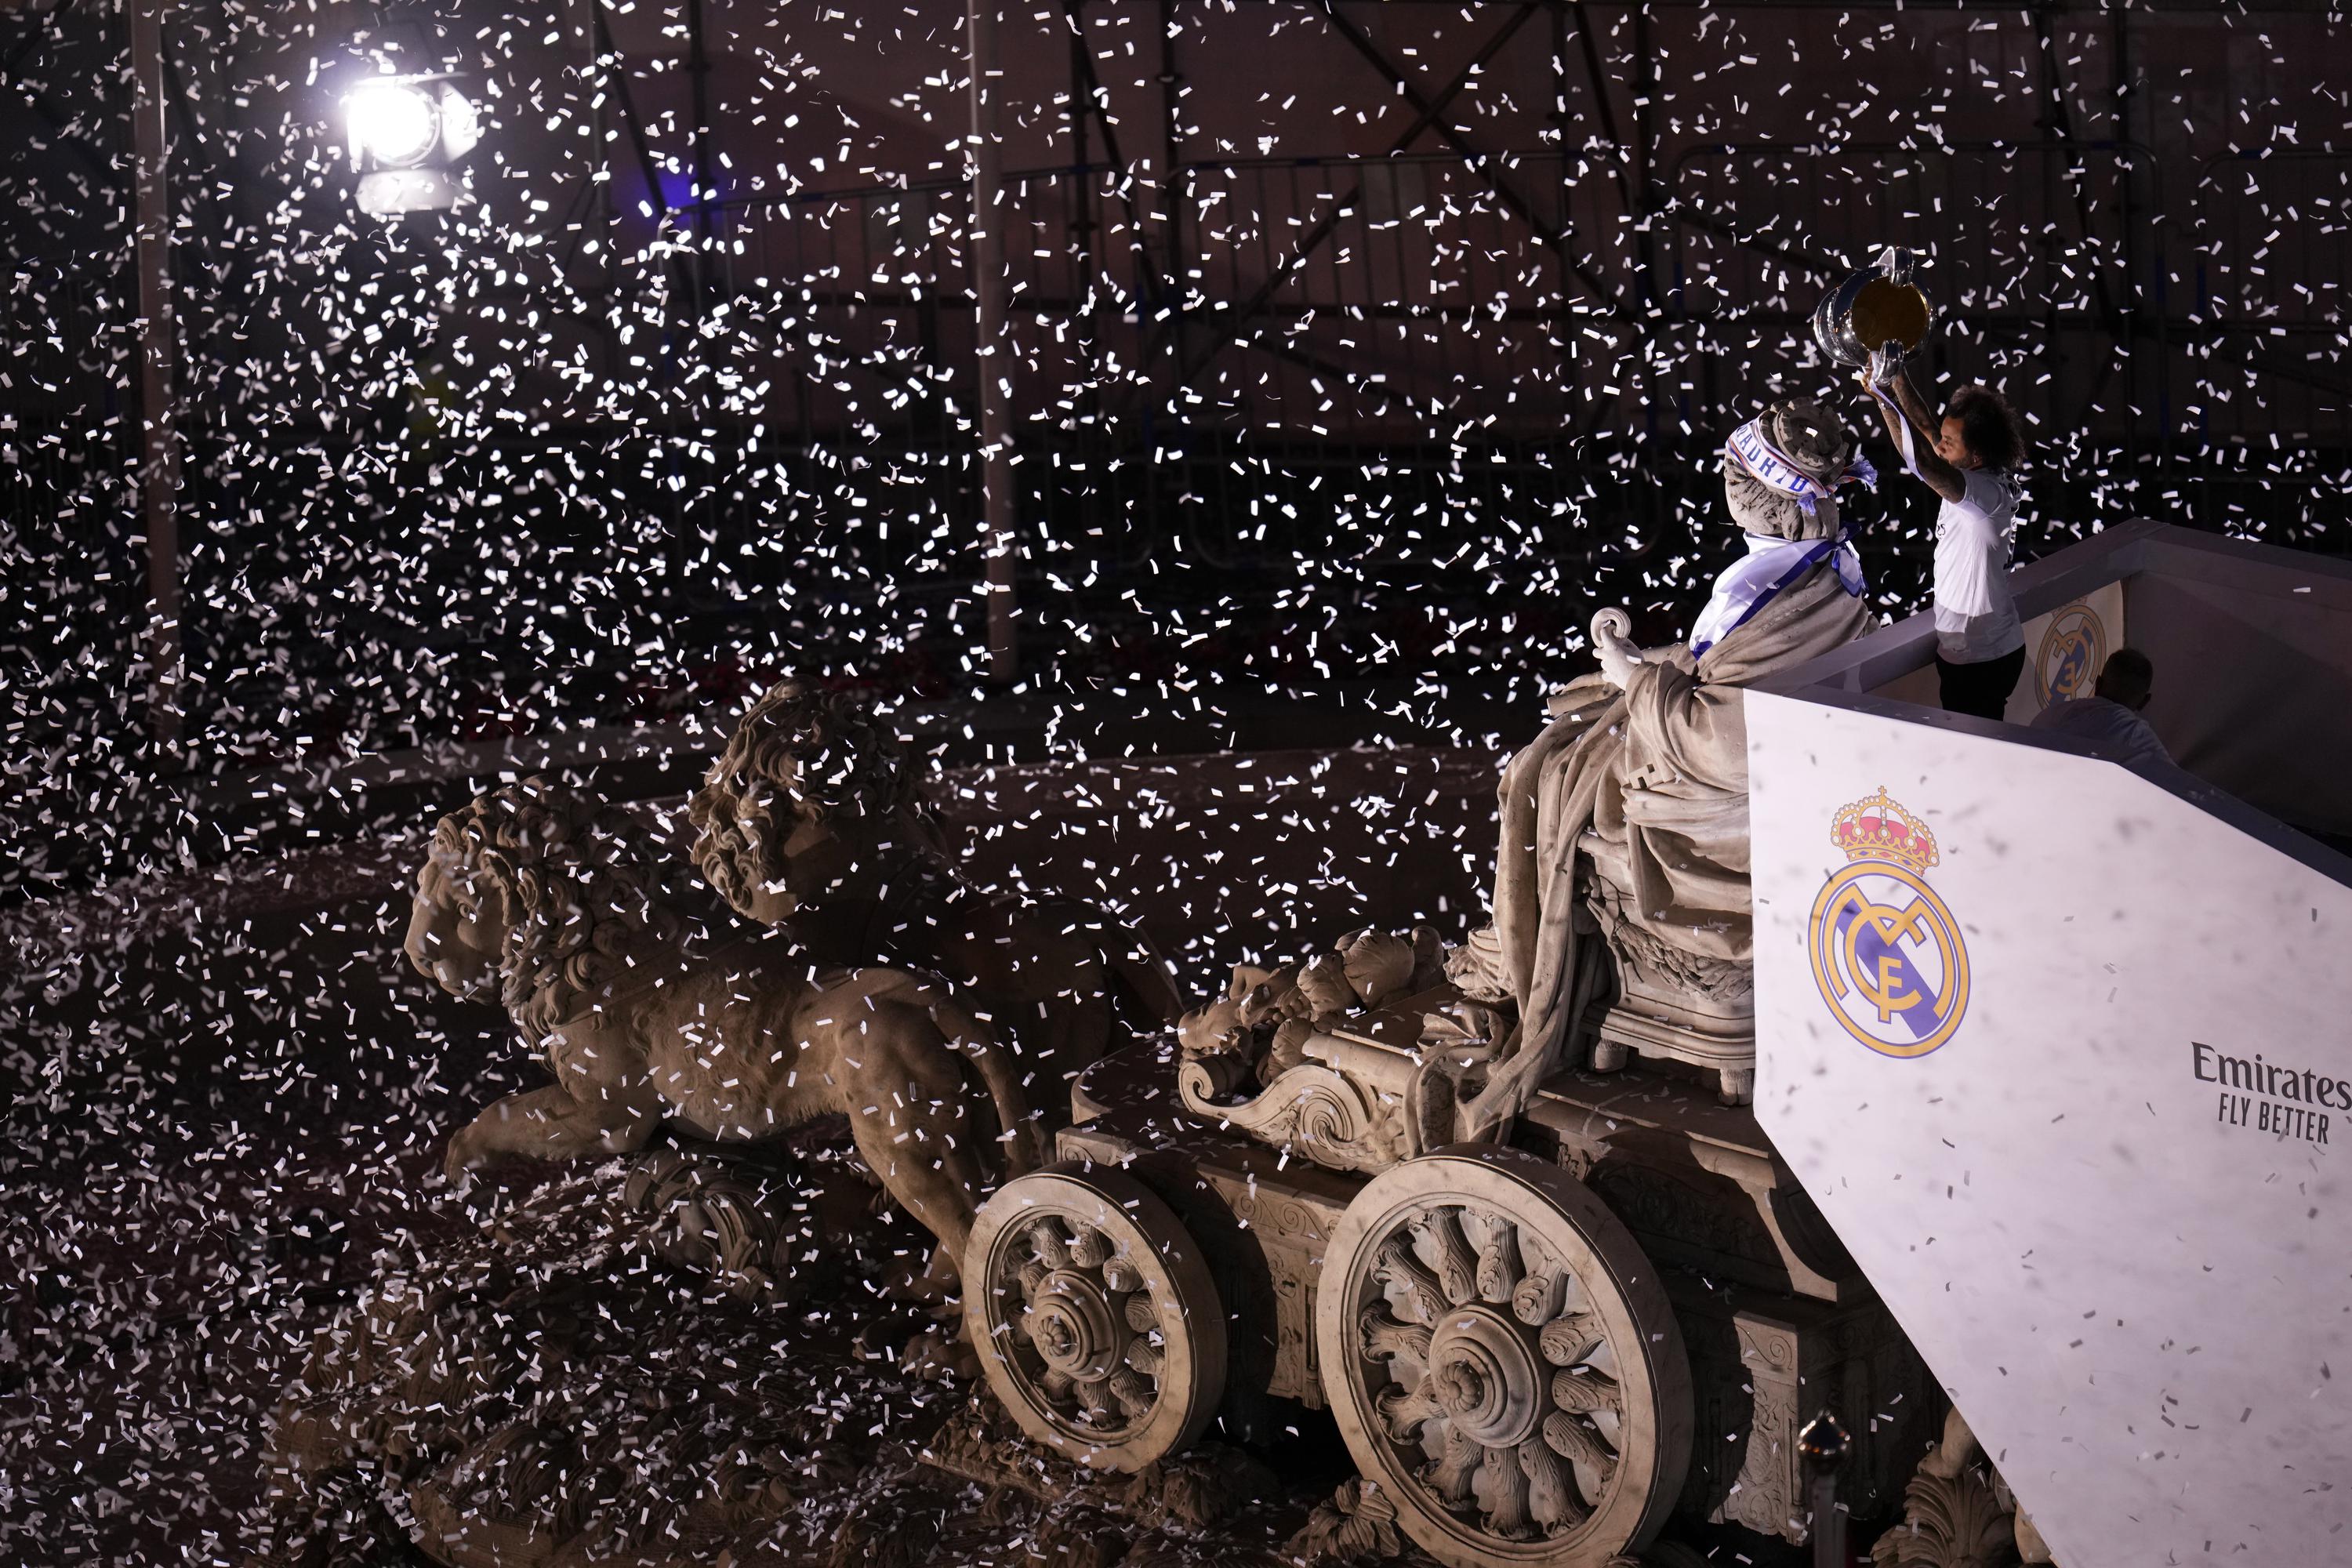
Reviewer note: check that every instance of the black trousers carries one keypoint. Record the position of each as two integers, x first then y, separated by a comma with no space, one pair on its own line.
1980,689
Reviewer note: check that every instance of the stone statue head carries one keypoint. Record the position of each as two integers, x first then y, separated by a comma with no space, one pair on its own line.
807,792
534,896
1812,440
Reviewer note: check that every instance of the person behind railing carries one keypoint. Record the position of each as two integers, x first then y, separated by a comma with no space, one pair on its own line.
2112,714
1969,457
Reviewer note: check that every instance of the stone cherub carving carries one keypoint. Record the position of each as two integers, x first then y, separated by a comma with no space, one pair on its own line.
1351,1058
812,818
1265,1015
651,1004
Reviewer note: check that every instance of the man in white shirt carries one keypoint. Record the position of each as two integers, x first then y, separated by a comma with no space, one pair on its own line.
2113,715
1966,457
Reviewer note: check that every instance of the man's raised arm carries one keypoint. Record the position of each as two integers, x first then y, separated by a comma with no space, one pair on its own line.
1913,430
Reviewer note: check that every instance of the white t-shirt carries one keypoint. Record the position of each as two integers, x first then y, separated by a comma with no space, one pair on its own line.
2102,718
1975,616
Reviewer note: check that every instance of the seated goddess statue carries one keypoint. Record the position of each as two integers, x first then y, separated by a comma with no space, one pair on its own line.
1627,817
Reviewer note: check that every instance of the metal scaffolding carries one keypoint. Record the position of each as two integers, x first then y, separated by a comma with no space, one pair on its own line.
1152,355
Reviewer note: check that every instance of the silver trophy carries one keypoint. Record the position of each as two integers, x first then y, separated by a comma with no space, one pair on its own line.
1875,317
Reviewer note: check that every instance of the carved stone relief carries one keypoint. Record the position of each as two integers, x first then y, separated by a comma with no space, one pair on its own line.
1292,1230
1312,1111
1956,1512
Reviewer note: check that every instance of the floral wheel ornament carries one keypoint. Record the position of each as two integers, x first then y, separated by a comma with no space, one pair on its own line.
1096,1322
1502,1359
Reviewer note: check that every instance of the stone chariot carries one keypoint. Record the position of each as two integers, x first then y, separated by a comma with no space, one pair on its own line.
1540,1350
1622,1307
1540,1347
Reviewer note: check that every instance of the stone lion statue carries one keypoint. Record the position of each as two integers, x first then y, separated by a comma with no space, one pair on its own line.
812,818
652,1005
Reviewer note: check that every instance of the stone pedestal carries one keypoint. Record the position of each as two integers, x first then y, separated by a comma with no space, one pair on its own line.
1665,1023
1669,1004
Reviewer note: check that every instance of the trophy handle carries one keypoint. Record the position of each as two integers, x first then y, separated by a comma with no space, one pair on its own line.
1610,624
1896,263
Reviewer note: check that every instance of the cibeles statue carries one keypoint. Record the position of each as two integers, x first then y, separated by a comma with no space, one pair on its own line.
813,819
651,1006
1626,820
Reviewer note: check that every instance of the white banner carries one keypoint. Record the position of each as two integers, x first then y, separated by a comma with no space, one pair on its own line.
2066,1061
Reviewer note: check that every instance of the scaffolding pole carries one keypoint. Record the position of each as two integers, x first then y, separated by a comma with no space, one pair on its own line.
994,347
159,465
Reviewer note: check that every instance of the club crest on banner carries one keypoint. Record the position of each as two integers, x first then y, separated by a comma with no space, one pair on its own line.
2073,651
1887,953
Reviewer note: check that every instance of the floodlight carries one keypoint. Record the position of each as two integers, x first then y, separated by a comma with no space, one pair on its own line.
394,124
405,132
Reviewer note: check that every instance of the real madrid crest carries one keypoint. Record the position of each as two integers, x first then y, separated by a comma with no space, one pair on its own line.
2072,652
1886,954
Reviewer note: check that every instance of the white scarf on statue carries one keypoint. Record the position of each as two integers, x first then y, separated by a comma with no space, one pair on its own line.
1772,565
1753,450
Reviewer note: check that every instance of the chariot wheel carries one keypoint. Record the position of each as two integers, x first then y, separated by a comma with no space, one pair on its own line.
1502,1359
1096,1322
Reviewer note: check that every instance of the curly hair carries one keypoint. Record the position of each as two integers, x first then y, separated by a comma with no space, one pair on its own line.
1989,426
814,753
590,887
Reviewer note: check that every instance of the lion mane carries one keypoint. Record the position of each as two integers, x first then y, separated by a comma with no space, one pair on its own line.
591,892
799,749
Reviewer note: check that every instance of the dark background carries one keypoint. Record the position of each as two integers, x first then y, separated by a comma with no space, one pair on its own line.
1339,409
1349,378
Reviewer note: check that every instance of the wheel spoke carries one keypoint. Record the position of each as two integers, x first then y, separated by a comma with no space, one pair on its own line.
1503,1489
1045,1240
1551,1486
1538,1298
1404,1411
1384,1336
1585,1391
1134,1395
1458,1459
1090,1248
1499,1263
1568,1437
1399,1268
1457,1266
1570,1337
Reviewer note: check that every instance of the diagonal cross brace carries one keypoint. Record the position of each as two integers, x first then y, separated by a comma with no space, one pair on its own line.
1324,227
1432,118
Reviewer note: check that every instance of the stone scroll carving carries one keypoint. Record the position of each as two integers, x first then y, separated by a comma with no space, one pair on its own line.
1355,1055
1312,1111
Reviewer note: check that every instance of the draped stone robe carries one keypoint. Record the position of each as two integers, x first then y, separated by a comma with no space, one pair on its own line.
1660,771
